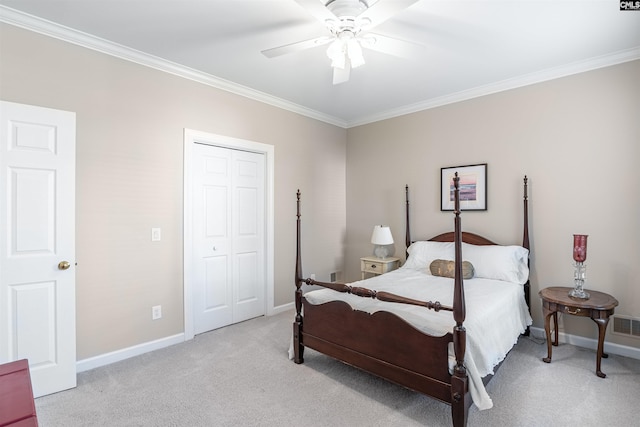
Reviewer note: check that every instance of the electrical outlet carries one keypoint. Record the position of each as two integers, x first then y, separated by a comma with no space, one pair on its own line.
313,276
156,234
156,312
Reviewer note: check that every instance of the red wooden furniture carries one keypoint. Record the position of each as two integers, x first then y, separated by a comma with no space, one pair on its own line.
17,408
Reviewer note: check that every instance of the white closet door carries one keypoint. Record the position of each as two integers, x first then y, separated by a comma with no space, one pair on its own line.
229,236
248,228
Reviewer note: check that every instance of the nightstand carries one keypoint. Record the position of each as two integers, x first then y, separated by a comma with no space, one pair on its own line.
377,266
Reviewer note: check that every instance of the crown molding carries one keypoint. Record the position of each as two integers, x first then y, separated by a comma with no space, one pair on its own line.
51,29
508,84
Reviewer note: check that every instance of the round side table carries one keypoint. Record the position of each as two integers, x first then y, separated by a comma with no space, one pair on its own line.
598,307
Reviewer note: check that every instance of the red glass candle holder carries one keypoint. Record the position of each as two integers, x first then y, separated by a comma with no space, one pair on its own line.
580,247
579,256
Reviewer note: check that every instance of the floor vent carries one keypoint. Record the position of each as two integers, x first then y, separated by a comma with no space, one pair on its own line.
629,326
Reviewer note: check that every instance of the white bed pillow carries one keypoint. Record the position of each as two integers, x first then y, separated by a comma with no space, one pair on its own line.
507,263
423,253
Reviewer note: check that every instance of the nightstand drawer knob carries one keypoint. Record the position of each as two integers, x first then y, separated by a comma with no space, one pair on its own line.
576,311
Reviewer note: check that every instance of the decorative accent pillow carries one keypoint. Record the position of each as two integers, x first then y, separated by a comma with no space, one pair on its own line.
423,253
446,268
507,263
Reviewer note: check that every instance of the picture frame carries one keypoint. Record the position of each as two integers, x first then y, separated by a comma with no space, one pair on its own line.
473,187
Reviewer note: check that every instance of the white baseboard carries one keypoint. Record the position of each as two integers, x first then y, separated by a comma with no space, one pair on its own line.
136,350
125,353
620,350
282,308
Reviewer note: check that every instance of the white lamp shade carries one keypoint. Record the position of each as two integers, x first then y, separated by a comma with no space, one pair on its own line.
337,53
381,235
355,53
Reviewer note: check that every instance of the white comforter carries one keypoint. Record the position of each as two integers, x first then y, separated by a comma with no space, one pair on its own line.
496,315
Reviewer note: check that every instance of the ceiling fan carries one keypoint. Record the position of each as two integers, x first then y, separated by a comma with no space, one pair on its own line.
349,22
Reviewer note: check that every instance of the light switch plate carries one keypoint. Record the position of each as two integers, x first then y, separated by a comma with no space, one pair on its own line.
155,234
156,312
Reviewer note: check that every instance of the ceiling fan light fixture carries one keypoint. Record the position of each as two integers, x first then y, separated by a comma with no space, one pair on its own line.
339,62
337,53
354,51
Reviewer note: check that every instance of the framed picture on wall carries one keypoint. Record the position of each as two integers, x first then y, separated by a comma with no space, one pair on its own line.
473,187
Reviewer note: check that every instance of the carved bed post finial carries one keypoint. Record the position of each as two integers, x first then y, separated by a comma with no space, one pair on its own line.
407,234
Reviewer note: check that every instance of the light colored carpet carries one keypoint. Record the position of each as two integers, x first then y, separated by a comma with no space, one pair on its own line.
240,376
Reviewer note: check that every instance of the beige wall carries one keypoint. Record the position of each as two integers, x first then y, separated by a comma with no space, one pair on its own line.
130,122
578,140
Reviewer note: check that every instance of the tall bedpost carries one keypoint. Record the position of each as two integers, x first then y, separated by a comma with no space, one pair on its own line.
407,234
459,309
298,348
525,244
459,396
525,236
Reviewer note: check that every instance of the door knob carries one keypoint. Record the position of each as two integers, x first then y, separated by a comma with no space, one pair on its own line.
63,265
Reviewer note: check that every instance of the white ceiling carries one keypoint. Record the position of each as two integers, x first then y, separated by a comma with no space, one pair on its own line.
466,48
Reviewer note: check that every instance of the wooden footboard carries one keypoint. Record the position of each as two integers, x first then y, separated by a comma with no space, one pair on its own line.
387,346
382,344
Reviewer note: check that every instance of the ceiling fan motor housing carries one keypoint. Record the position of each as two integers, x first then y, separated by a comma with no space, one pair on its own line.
347,12
347,8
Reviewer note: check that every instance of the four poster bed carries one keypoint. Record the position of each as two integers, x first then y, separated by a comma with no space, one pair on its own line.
389,326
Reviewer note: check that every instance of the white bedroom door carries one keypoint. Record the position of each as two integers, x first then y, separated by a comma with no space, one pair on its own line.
228,236
37,243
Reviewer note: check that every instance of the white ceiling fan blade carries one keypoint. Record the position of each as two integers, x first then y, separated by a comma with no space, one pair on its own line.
341,75
383,10
318,9
296,47
391,46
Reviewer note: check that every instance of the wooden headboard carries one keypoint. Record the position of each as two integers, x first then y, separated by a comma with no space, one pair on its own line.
467,237
470,238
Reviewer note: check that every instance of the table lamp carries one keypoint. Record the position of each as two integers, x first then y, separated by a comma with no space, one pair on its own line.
381,238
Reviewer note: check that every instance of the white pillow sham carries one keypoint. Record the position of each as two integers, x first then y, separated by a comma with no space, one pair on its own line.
507,263
423,253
